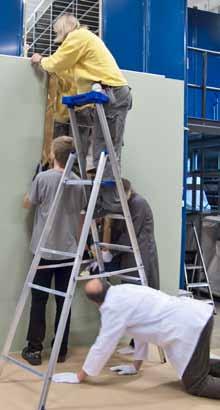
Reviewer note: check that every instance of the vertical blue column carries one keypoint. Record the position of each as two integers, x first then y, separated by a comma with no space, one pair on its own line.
167,38
11,27
124,32
147,35
150,36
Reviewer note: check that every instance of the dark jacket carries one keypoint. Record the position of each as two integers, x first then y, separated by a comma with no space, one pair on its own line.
143,221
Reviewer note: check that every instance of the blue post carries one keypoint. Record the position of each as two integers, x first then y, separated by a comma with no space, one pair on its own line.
151,36
11,27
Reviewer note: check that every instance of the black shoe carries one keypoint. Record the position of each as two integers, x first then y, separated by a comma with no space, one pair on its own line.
34,358
61,358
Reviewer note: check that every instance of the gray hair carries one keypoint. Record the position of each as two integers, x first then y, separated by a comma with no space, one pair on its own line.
64,25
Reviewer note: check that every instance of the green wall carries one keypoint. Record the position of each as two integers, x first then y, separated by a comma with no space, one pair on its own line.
152,159
22,108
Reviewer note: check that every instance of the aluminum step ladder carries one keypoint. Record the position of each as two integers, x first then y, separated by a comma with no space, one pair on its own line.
98,98
197,271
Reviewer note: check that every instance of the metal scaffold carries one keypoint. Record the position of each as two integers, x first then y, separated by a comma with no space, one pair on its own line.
39,37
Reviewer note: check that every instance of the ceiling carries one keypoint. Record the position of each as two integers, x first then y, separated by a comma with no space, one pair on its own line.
211,5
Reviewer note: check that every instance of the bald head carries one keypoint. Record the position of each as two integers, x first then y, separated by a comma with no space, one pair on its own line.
96,290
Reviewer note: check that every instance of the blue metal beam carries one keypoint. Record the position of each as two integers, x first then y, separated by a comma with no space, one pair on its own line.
11,27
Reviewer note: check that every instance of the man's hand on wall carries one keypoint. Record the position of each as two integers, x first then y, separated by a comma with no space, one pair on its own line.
36,58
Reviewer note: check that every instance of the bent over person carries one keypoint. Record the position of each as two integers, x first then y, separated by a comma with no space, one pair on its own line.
181,326
89,61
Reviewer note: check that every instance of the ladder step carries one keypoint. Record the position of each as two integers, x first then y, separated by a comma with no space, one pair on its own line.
185,293
116,216
192,267
61,265
47,290
115,246
79,181
54,252
23,365
107,274
130,278
198,285
89,182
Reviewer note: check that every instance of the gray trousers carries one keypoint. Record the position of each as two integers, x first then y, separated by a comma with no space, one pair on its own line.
85,121
116,112
202,375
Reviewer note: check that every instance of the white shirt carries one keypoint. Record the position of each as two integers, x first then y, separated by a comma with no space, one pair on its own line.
149,316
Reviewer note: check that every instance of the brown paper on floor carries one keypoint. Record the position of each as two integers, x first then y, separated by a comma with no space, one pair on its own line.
155,388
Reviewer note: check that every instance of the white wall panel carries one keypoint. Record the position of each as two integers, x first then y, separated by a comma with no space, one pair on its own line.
153,160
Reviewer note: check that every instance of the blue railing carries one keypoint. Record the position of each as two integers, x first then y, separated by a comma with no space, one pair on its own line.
203,68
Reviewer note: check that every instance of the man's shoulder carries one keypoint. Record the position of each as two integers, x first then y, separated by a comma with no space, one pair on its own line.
48,176
82,33
138,199
116,291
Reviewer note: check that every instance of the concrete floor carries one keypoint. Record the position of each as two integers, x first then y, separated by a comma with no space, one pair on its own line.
155,388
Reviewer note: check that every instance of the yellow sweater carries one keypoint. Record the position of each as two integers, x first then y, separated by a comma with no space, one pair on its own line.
64,87
88,60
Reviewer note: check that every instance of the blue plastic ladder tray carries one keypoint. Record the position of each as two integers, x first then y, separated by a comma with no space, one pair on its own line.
93,97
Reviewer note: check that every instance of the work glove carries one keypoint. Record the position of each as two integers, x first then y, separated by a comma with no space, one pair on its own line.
107,256
93,267
124,369
71,378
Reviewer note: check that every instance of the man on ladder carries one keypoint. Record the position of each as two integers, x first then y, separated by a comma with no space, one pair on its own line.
88,61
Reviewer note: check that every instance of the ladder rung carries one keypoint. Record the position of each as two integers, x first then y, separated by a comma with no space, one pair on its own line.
77,182
23,366
185,293
72,182
130,278
54,252
198,285
62,265
55,265
107,274
47,290
191,267
115,216
115,246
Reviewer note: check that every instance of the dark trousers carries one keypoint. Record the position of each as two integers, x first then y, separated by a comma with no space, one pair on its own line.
37,325
202,375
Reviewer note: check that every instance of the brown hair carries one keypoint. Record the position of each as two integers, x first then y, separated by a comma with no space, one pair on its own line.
62,147
126,184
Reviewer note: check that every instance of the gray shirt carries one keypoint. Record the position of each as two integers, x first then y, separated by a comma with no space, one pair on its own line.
64,233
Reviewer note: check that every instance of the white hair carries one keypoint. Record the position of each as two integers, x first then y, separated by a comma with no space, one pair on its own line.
64,25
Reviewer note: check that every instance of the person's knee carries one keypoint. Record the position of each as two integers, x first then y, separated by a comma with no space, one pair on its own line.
191,388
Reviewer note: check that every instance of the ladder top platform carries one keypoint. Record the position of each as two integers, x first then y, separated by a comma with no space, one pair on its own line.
93,97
